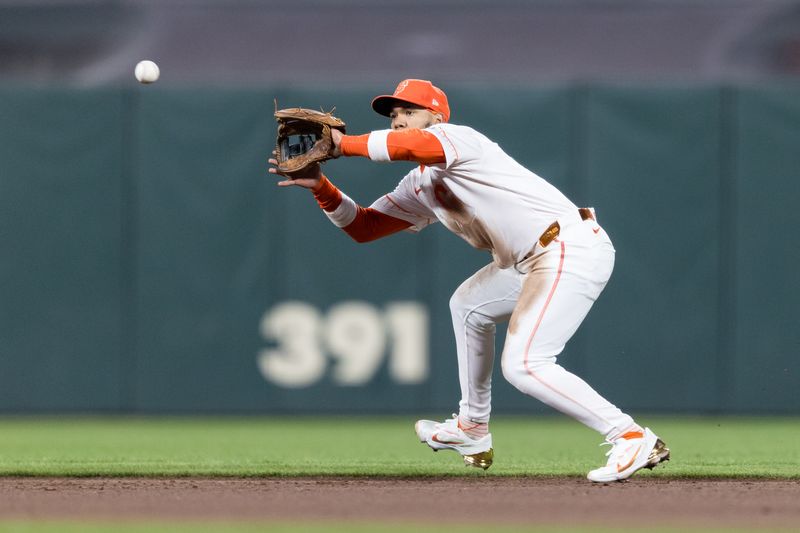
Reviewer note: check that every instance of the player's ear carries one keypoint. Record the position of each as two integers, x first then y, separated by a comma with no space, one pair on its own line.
437,118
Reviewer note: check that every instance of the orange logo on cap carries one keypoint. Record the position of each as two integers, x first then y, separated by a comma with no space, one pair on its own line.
401,87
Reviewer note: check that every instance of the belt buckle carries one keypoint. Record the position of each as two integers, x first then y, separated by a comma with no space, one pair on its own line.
546,238
549,234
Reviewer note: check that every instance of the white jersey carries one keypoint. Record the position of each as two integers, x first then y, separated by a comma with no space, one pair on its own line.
480,193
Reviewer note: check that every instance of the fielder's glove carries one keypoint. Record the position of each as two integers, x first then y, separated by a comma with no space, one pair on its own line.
304,138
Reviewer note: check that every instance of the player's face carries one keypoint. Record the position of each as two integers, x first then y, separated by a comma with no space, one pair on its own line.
412,118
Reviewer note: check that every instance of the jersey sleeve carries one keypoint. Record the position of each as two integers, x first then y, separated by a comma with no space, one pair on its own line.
461,144
403,203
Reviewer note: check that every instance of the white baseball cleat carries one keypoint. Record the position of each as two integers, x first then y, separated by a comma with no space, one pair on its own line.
448,435
630,453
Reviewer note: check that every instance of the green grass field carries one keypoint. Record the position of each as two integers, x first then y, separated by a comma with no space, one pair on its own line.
386,446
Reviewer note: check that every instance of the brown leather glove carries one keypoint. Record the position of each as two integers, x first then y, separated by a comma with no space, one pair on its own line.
304,138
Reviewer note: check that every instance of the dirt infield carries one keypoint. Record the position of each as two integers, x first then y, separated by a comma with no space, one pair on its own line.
649,501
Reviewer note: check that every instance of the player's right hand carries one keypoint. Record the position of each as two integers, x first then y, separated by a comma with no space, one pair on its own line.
309,179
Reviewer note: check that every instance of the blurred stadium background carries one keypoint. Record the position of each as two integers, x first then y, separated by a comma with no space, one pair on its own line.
150,265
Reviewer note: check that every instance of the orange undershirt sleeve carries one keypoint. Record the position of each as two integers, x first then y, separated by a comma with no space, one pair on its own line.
351,145
371,224
415,145
368,224
327,195
404,145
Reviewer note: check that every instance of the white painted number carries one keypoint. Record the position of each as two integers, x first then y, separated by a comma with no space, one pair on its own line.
355,335
408,326
298,360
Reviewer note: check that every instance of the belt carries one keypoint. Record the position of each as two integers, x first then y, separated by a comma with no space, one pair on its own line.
554,229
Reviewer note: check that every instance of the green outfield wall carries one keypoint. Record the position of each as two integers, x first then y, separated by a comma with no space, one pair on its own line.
149,263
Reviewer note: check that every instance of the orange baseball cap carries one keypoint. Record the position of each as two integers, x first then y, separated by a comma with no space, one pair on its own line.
418,92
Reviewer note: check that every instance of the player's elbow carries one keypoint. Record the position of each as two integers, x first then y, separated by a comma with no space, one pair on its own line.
365,239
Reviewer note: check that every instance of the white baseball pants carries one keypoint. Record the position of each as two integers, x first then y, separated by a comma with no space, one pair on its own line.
546,297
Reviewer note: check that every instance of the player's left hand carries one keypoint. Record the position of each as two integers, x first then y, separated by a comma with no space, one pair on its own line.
336,137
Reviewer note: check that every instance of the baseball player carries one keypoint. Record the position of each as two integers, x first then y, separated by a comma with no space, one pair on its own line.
551,260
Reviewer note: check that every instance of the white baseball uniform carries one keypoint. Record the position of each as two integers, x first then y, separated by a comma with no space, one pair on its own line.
487,198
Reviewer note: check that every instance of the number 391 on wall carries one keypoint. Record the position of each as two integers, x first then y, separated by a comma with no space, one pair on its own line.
355,336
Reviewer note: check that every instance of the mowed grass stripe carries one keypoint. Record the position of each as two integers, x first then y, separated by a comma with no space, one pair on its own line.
385,446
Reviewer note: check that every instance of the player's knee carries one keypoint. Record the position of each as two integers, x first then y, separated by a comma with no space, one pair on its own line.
520,371
458,306
513,369
469,315
514,372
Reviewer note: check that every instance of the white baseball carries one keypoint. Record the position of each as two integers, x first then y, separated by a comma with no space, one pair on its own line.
146,71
